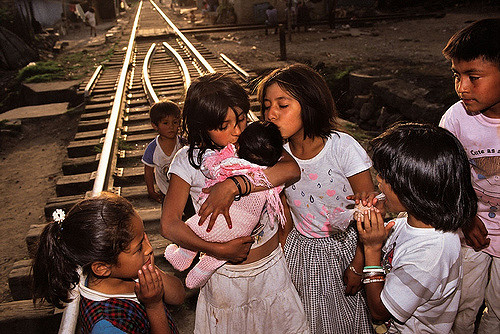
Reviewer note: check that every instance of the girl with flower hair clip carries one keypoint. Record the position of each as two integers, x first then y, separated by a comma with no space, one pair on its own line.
121,289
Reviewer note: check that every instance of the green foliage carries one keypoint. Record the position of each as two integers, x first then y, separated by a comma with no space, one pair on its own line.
40,72
124,145
45,77
338,81
70,66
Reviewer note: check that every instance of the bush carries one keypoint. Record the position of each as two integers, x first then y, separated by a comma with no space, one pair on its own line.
41,72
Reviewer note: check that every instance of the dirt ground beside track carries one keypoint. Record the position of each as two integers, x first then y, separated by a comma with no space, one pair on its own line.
31,161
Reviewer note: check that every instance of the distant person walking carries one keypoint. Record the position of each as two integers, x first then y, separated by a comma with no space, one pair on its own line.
303,17
90,19
272,18
212,5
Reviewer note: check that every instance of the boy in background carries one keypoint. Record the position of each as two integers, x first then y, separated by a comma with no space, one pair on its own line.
475,120
165,118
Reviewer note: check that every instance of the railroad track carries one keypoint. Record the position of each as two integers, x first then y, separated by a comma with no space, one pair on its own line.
156,62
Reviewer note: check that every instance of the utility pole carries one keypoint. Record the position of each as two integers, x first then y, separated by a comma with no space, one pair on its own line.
64,18
289,19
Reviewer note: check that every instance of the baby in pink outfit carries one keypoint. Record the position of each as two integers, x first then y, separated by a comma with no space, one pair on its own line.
259,147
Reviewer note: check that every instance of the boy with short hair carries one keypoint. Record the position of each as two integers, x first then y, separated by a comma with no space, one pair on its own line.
165,118
475,120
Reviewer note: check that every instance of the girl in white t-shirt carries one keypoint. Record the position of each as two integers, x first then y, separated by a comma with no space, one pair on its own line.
255,295
323,259
90,19
413,267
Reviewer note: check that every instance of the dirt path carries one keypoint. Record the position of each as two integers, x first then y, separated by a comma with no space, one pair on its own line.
409,49
30,164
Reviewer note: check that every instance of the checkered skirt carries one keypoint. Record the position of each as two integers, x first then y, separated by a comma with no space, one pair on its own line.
317,267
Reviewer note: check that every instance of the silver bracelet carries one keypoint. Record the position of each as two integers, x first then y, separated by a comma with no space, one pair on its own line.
351,268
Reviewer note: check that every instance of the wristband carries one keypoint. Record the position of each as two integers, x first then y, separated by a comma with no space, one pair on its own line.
373,267
238,185
248,186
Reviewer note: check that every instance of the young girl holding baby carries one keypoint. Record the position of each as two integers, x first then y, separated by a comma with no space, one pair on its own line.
104,238
256,295
333,166
260,146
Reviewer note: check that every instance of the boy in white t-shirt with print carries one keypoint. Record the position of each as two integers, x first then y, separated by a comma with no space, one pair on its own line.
165,118
475,120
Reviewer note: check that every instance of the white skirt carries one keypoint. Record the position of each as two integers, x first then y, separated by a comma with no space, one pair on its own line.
258,297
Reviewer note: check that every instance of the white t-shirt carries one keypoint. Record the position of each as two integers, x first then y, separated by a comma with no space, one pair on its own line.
422,289
194,177
480,137
323,185
90,17
156,158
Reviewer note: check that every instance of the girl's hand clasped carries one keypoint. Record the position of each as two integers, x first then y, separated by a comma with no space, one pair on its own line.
149,289
371,228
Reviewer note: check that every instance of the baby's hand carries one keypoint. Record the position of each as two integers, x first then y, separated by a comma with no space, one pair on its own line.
371,229
149,290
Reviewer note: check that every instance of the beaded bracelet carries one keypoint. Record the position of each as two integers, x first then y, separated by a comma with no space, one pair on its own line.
373,280
238,185
351,268
375,277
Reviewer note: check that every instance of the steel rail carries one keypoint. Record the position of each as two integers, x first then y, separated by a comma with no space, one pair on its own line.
148,87
70,315
184,39
91,83
205,63
102,175
181,63
241,72
235,66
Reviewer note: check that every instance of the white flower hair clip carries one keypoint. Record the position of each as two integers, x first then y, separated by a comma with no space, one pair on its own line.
58,216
